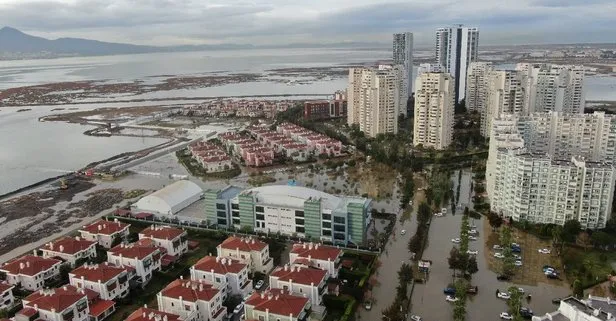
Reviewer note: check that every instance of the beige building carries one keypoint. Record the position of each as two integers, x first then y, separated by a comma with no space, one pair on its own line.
250,251
277,305
434,110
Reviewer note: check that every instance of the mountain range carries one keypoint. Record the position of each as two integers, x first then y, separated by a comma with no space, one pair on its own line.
14,43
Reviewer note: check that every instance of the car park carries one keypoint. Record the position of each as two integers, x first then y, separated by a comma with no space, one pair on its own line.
506,316
451,298
503,295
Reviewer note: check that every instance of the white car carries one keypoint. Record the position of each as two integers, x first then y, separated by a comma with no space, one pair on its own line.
544,251
472,252
472,238
239,308
515,245
521,290
497,247
415,318
450,298
438,214
472,231
518,263
503,295
506,316
403,232
456,240
444,210
499,255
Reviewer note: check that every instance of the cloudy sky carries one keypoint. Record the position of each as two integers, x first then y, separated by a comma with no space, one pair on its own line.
167,22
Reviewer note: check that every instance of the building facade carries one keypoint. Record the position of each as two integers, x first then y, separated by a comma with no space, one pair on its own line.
106,234
172,239
66,303
376,98
7,300
591,309
307,282
327,109
70,249
456,48
144,258
192,300
250,251
434,110
317,256
403,56
276,304
227,274
109,281
476,86
505,93
30,272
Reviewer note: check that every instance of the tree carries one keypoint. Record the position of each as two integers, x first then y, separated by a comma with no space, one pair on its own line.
454,259
495,220
515,303
578,290
570,230
557,239
584,240
471,267
601,239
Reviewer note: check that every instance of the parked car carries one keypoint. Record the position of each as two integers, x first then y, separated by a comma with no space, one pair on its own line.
472,289
239,309
521,290
456,240
438,214
546,267
415,318
503,295
503,277
544,251
498,255
444,210
259,284
449,291
517,256
497,247
518,263
515,249
472,238
368,305
451,298
506,316
472,252
515,244
472,231
403,232
553,276
526,313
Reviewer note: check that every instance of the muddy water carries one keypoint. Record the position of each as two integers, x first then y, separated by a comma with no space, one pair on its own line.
428,299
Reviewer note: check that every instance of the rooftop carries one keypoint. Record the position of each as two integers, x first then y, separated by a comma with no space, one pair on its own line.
5,287
306,276
146,314
219,265
190,290
230,192
139,250
98,272
243,244
295,196
68,245
162,232
105,227
316,251
278,302
58,299
100,306
29,265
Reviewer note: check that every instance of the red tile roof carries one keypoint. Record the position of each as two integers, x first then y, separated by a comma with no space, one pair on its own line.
68,245
58,299
27,312
299,275
190,290
316,251
277,302
104,227
219,265
5,287
29,265
98,272
138,250
146,314
100,306
243,244
161,232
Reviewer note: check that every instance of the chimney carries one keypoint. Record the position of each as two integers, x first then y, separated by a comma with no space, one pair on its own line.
77,238
99,227
61,248
51,246
64,288
27,263
34,252
262,295
286,267
22,266
310,246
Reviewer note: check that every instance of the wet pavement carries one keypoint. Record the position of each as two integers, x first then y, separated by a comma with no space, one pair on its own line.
428,299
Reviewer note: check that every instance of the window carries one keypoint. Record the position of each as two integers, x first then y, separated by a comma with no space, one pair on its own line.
327,217
299,221
259,209
221,221
339,228
235,213
221,214
235,206
236,221
299,213
339,219
299,229
326,232
261,217
327,224
339,236
221,206
300,290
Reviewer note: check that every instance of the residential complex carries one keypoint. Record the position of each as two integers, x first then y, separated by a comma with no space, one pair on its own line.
192,300
307,282
456,48
227,274
70,249
30,271
434,110
172,239
249,151
375,99
106,234
315,255
147,314
251,251
7,300
403,56
327,109
550,167
426,67
257,108
277,304
293,210
476,85
65,303
144,257
109,281
210,156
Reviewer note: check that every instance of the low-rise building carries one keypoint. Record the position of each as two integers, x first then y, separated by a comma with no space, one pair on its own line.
30,272
275,305
317,256
248,250
106,234
308,282
171,239
229,275
144,257
194,300
591,309
70,249
109,281
66,303
147,314
7,300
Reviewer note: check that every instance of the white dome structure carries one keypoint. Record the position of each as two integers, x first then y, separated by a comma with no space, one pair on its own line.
170,199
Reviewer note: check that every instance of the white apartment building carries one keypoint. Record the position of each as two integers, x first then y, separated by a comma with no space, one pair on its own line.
105,233
591,309
192,300
228,275
434,110
427,67
308,282
62,304
375,99
550,168
554,87
144,257
146,314
505,92
277,305
248,250
318,256
476,86
109,281
70,249
456,48
7,300
403,55
171,239
30,272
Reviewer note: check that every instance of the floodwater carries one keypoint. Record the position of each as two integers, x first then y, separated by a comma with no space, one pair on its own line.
428,299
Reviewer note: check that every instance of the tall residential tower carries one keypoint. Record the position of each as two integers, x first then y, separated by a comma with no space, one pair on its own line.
403,55
456,48
434,104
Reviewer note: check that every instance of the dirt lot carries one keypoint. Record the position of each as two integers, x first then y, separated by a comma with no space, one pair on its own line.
375,179
531,272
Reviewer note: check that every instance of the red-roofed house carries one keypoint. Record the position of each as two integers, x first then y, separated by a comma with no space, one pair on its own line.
188,298
147,314
105,233
143,257
251,251
318,256
6,295
100,309
66,303
170,238
275,304
301,281
224,273
31,272
70,249
108,280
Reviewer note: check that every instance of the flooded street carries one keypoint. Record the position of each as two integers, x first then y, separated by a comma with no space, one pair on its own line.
428,299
